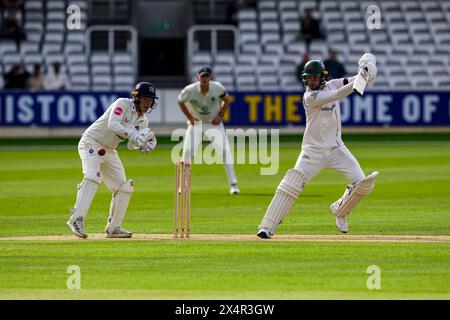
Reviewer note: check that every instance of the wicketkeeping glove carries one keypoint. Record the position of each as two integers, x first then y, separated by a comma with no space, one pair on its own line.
149,145
152,142
137,139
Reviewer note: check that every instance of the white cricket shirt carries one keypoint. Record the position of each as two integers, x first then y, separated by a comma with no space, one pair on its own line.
204,108
323,117
116,124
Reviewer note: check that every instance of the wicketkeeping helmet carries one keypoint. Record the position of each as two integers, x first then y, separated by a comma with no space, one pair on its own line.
144,89
314,68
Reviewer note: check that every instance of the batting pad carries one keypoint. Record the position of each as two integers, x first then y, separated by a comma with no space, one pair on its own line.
86,192
287,192
353,195
119,205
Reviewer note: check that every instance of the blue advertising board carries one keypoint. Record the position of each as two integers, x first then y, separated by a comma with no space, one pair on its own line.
72,109
49,109
372,109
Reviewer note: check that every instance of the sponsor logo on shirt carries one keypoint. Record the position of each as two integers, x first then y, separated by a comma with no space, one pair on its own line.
118,111
328,108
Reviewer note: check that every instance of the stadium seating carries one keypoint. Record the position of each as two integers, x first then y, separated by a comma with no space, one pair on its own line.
48,41
412,46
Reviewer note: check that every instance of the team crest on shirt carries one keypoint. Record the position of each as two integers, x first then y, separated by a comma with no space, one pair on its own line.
314,94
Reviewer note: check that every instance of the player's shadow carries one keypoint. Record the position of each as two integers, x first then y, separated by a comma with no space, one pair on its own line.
270,194
243,194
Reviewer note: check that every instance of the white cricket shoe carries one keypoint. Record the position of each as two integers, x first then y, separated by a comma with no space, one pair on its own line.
77,227
118,233
234,189
264,234
342,224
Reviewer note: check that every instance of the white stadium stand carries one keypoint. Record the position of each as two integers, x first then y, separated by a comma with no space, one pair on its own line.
412,46
49,41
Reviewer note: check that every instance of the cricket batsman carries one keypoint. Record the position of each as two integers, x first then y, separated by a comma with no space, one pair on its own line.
125,119
322,147
204,104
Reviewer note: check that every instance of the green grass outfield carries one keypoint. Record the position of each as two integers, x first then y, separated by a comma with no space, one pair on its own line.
412,197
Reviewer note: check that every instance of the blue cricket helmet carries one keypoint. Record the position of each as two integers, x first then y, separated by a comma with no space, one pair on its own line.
144,89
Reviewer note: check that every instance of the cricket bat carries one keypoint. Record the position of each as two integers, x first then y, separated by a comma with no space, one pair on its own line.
361,81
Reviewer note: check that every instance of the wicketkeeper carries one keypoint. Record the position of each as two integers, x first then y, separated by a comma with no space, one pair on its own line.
322,147
125,119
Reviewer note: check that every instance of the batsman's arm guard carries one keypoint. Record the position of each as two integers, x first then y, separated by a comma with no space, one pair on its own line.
353,195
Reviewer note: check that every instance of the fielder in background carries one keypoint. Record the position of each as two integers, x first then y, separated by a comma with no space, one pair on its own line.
322,147
125,119
204,104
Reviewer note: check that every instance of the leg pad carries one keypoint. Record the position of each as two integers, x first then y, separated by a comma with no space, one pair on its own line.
287,192
353,195
119,205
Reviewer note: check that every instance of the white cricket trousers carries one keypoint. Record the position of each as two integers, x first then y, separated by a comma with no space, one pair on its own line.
312,160
108,167
219,140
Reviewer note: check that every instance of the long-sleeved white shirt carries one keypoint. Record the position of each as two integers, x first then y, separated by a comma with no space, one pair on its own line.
323,117
116,124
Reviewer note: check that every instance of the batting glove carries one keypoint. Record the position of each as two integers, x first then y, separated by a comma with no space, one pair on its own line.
366,58
372,70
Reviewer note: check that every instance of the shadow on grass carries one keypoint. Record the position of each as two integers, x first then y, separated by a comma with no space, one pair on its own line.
253,195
